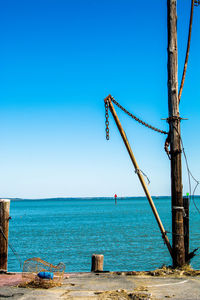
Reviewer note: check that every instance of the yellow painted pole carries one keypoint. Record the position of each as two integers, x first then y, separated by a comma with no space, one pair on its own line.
138,172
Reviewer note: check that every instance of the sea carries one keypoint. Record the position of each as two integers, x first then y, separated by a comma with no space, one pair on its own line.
70,230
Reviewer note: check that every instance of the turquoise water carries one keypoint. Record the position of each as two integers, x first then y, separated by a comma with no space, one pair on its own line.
71,230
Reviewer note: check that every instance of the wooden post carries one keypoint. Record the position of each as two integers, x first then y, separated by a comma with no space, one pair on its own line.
186,228
139,174
175,139
4,224
97,263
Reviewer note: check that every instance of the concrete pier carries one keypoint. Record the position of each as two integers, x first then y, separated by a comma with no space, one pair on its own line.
102,286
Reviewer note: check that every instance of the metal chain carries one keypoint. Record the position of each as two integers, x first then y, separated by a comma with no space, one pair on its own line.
135,118
196,2
12,248
107,122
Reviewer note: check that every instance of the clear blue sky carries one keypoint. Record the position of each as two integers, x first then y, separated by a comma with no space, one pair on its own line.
59,59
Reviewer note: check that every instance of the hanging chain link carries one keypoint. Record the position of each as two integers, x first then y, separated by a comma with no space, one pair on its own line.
137,119
196,2
107,122
167,142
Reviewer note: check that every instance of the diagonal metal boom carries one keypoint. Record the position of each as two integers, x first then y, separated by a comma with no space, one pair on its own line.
138,172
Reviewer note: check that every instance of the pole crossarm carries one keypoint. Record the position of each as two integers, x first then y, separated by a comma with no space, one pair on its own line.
108,102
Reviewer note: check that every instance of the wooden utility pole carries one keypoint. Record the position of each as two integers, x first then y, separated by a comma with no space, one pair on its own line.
175,139
4,222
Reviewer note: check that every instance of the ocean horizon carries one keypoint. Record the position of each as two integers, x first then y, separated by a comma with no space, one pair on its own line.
85,198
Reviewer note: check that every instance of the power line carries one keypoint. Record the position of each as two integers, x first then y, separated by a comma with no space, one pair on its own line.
187,51
190,175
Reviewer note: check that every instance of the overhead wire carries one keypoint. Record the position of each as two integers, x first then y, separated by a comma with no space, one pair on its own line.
187,50
190,175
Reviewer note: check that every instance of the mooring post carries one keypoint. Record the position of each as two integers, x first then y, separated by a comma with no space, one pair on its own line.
97,263
186,227
4,224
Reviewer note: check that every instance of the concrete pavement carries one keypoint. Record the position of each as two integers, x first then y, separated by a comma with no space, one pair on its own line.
106,286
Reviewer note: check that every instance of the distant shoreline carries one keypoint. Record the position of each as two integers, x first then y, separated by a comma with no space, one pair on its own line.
87,198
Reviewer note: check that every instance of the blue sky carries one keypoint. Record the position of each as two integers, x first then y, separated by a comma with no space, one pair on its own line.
59,59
